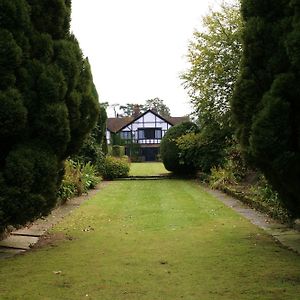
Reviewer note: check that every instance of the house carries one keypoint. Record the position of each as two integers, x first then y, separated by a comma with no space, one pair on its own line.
143,131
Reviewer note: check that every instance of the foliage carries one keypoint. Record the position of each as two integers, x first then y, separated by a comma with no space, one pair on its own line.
221,177
47,107
232,172
159,106
155,104
88,176
78,178
248,185
99,132
114,167
264,191
205,149
129,109
214,56
116,139
118,151
90,152
94,147
266,100
170,153
134,149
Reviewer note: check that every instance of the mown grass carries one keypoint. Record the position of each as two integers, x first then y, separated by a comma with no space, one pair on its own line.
147,169
154,240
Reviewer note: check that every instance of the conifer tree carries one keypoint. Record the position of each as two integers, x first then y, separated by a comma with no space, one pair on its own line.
266,103
46,104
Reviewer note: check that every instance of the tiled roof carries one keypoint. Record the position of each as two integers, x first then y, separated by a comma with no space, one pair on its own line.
178,120
115,124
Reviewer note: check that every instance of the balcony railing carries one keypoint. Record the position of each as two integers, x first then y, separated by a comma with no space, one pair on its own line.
141,141
133,139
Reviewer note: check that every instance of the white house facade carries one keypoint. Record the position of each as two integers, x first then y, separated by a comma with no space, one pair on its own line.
146,130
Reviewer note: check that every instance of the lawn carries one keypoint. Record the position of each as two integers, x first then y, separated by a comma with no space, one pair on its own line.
147,169
164,240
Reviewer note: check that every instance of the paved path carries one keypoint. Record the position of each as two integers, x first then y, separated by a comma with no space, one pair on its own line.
21,240
287,236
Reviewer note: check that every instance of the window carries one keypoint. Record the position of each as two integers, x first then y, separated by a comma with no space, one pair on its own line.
149,133
158,134
125,135
141,134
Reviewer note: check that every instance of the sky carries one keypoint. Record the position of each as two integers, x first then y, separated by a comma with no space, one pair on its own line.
137,48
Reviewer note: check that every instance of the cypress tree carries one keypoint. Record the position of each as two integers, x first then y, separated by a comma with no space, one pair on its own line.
47,105
266,104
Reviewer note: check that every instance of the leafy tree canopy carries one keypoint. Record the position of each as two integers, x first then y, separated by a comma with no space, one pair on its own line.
214,56
155,104
158,105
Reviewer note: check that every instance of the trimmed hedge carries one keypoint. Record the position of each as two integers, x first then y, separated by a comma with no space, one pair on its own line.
114,167
169,150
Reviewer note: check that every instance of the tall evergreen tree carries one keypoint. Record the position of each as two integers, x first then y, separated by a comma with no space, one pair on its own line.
266,103
46,104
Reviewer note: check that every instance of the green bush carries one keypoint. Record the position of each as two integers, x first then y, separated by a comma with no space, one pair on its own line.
233,171
115,167
263,192
78,178
247,185
221,177
88,176
70,183
118,151
170,152
205,149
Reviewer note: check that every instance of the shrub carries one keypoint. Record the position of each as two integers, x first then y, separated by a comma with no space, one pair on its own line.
78,178
90,153
205,149
117,151
263,192
221,177
115,167
70,183
169,150
88,176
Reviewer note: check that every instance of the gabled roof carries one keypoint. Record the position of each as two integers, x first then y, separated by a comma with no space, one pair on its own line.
117,124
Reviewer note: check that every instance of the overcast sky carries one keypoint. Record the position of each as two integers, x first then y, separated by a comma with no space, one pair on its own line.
137,48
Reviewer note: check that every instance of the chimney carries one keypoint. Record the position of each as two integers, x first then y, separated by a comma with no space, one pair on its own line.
136,111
